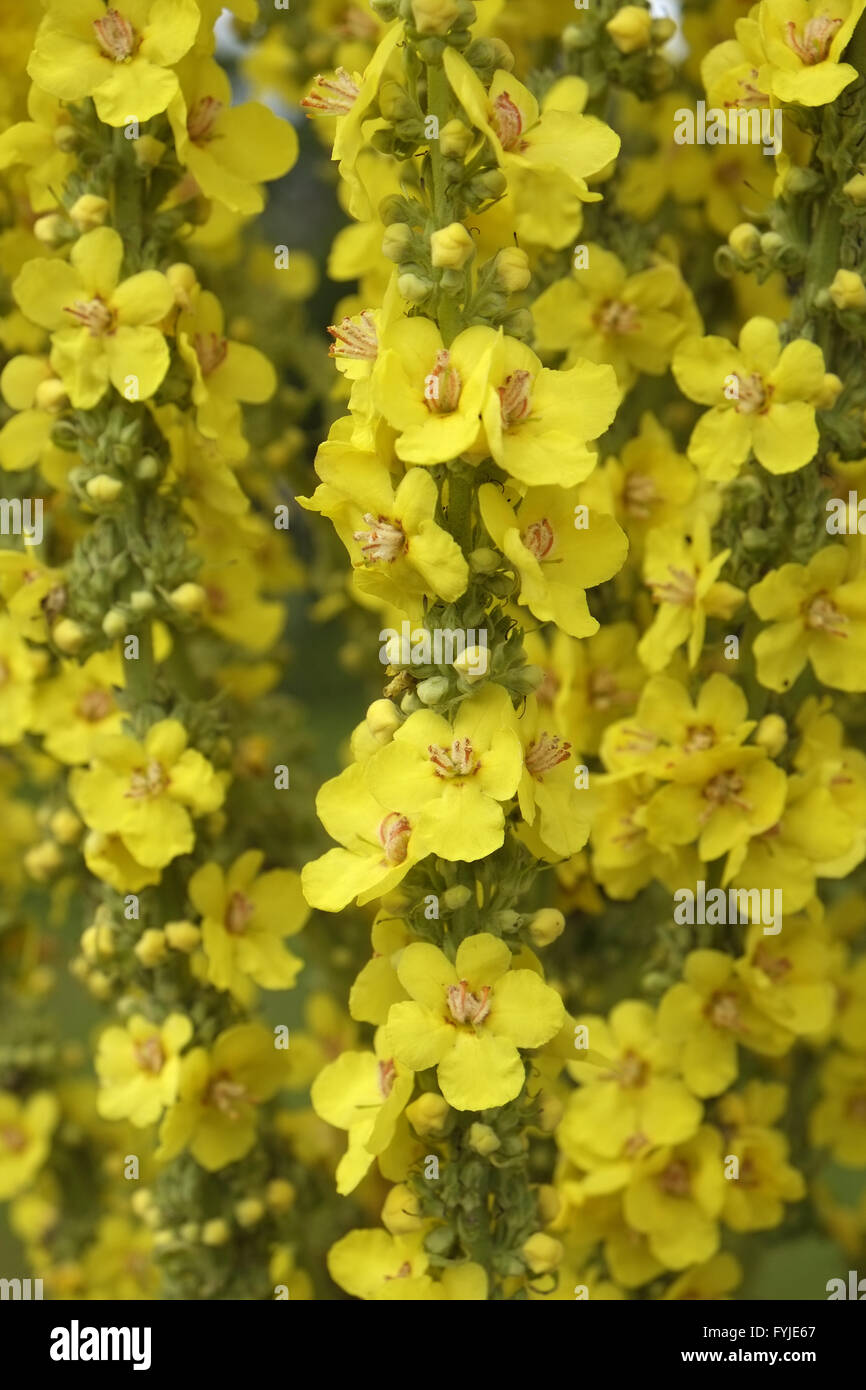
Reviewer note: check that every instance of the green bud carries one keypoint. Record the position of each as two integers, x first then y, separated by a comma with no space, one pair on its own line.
456,897
484,560
433,690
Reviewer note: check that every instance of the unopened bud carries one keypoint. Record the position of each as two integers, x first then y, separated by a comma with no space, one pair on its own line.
512,269
772,734
547,924
451,247
630,28
88,211
847,290
104,488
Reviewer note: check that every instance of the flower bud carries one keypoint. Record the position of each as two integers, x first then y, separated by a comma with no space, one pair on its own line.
141,1201
456,139
831,389
434,16
456,897
142,601
484,560
413,288
51,229
451,247
542,1253
847,290
771,242
98,984
189,598
397,242
190,1231
512,269
148,151
65,826
547,924
88,211
630,28
745,241
772,734
401,1214
280,1194
382,720
151,947
182,279
549,1203
432,690
429,1115
182,936
43,860
472,664
483,1139
550,1113
855,188
395,103
114,623
104,488
215,1232
68,636
50,395
249,1211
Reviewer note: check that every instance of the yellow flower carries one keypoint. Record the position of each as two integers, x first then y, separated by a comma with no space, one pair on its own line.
376,1265
245,914
76,709
139,1067
818,613
707,1014
676,1196
763,399
399,553
712,1281
380,845
719,798
647,486
115,340
631,321
549,800
547,154
364,1093
17,676
556,559
215,1115
451,779
223,373
788,975
432,395
537,421
838,1121
227,149
636,1098
147,793
683,575
469,1019
804,41
119,1263
26,1127
121,56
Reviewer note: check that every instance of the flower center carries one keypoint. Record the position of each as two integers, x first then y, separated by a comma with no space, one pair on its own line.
466,1007
335,96
92,314
538,538
202,119
616,318
228,1096
14,1138
515,398
355,24
386,1074
149,1055
239,911
698,738
676,1179
210,349
394,832
604,692
458,761
4,672
724,790
385,540
752,395
545,753
814,44
856,1107
679,589
723,1011
823,615
115,36
355,339
632,1071
752,95
507,121
148,782
442,386
95,705
639,495
774,967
